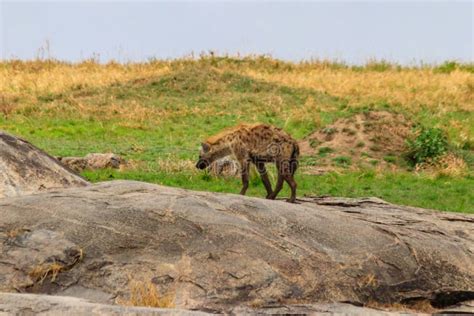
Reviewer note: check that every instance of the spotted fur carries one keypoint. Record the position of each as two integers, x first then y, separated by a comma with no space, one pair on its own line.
257,144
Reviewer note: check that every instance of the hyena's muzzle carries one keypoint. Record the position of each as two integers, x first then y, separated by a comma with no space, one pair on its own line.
202,164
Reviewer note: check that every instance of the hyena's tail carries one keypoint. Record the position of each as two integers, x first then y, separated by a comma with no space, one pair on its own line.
294,158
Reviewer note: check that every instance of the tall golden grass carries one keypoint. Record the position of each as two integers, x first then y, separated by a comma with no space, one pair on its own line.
40,77
409,88
447,165
405,86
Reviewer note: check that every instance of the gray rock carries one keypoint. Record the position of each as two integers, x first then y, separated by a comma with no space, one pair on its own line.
15,304
25,169
216,252
342,309
462,308
31,257
30,304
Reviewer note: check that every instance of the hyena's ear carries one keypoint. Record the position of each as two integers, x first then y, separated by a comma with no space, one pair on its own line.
205,147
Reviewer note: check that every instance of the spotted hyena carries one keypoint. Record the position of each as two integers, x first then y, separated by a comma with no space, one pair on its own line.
257,144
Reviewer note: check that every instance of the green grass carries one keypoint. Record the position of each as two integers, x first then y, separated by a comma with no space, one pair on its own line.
324,151
196,100
197,103
342,161
390,159
446,194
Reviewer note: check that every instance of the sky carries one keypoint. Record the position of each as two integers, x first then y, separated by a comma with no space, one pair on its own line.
351,31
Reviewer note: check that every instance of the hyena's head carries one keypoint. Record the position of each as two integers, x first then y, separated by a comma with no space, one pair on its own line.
205,156
210,153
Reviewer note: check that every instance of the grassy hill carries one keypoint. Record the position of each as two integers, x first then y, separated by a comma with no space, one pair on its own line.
155,115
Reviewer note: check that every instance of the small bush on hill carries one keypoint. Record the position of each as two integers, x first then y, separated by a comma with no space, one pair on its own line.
449,66
428,145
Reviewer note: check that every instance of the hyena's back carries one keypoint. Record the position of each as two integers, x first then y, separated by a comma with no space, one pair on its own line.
267,143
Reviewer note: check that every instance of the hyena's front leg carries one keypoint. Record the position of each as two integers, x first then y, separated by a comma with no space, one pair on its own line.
264,175
279,184
244,165
278,187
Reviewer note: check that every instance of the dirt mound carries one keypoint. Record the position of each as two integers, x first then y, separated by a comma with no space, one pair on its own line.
215,252
26,169
372,138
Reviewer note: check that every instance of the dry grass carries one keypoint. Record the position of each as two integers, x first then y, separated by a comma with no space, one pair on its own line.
168,164
13,233
40,272
369,280
23,82
421,306
447,165
145,294
172,165
409,88
34,78
311,109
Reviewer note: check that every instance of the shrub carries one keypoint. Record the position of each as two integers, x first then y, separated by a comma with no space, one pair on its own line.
323,151
450,66
447,67
380,66
428,145
342,161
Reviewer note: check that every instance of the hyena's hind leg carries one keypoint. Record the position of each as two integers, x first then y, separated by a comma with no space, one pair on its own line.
244,165
288,173
286,170
264,175
292,183
289,178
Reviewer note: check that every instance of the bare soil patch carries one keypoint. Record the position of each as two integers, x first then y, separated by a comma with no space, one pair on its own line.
373,138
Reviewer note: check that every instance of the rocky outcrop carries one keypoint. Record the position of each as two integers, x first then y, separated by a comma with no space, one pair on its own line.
25,169
21,304
30,304
218,252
